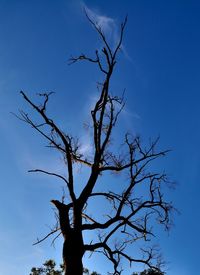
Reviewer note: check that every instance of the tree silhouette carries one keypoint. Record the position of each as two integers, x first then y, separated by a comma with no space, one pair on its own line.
87,272
149,272
135,205
47,269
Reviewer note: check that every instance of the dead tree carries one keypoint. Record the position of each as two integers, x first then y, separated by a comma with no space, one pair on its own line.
133,212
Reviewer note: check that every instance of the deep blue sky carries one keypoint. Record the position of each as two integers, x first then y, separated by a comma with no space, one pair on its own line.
160,69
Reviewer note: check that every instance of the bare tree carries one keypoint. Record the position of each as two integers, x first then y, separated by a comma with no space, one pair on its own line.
133,211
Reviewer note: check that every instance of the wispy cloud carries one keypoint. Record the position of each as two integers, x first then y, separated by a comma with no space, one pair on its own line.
109,27
86,145
107,24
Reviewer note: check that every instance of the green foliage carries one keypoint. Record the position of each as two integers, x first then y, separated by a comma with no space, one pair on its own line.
87,272
49,268
149,272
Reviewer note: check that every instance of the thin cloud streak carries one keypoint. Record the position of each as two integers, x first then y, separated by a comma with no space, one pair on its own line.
107,24
109,28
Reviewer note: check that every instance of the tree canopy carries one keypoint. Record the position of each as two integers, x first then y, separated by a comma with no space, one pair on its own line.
149,272
48,268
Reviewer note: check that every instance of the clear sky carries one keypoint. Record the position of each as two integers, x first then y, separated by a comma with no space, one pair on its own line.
160,69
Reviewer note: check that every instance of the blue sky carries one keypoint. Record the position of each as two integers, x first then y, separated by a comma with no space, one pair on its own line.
160,69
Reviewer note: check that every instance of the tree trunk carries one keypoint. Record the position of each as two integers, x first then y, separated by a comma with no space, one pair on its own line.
72,253
73,247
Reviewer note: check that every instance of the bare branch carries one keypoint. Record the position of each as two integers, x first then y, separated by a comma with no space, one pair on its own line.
65,139
48,173
47,236
123,25
100,32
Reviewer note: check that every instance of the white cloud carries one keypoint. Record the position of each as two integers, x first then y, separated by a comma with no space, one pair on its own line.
86,147
109,28
106,23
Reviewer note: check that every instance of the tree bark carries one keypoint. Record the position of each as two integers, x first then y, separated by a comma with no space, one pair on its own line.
73,246
73,252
